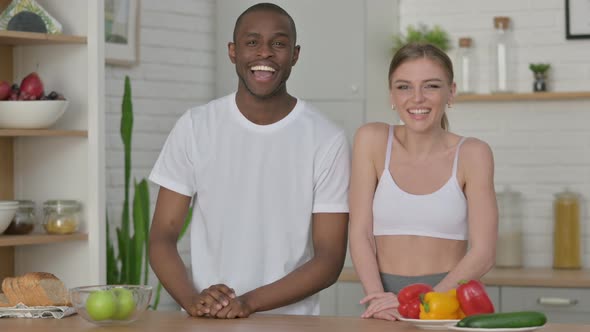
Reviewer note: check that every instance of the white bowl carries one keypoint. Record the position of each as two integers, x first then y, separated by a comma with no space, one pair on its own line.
7,212
30,114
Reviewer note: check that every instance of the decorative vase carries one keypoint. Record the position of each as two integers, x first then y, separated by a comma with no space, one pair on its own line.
539,84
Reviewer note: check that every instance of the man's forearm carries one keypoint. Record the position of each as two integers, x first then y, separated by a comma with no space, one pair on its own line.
308,279
171,272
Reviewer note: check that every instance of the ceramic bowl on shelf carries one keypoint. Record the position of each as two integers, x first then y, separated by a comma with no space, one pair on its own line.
30,114
111,304
7,212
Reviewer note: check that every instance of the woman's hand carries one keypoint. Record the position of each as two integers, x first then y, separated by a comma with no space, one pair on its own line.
379,302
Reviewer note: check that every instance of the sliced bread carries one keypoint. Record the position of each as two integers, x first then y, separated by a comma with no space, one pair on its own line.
4,301
36,289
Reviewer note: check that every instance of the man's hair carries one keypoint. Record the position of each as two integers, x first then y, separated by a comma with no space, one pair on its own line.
266,6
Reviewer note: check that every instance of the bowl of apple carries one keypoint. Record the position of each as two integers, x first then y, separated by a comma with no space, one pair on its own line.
27,106
111,304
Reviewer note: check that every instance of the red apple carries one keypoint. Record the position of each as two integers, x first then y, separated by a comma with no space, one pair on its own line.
5,90
32,86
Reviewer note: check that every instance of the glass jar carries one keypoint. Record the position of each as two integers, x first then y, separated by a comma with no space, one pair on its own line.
510,241
502,55
465,66
24,220
61,216
566,232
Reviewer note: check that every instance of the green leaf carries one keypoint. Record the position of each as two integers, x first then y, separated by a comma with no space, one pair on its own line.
112,268
126,132
423,34
141,211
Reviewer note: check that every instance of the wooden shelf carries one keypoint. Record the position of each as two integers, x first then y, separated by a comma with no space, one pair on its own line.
22,240
43,132
532,96
34,38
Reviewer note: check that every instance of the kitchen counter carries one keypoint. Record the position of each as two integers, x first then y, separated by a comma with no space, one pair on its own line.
528,277
179,322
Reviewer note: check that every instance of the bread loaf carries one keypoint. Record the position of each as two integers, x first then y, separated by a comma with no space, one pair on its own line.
4,301
36,289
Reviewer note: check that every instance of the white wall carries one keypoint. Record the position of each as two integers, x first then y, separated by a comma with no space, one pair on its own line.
175,72
539,147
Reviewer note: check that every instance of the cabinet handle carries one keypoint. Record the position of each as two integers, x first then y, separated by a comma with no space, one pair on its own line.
556,301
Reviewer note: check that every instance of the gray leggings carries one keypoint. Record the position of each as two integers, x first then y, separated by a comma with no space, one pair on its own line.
394,283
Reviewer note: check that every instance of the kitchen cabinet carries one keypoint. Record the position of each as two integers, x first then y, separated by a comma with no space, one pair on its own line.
342,67
531,96
561,305
65,161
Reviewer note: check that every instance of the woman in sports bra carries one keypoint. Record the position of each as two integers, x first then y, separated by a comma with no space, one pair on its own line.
418,192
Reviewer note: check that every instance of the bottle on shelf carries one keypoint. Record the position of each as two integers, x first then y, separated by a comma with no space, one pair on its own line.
465,66
566,232
510,243
502,56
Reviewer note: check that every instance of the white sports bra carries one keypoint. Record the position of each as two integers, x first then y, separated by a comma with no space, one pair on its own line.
441,214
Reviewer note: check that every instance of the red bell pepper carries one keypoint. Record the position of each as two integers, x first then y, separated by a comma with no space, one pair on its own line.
409,299
473,298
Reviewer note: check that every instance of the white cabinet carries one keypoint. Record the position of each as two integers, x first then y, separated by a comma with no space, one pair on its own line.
345,53
65,161
494,294
561,305
342,299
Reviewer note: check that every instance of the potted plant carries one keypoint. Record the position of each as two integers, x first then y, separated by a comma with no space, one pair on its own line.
423,34
540,72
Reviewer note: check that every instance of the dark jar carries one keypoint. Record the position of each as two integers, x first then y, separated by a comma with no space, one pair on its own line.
24,220
540,82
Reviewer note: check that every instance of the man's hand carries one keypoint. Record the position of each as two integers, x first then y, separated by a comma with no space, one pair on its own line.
211,300
237,308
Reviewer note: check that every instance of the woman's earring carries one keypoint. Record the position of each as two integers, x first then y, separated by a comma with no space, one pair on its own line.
392,107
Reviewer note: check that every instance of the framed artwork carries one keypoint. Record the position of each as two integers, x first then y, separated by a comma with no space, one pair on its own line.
121,23
577,19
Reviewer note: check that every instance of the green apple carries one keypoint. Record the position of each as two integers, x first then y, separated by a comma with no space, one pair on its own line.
101,305
125,303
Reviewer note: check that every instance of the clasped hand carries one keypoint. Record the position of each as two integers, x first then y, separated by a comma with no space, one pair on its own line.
219,301
381,306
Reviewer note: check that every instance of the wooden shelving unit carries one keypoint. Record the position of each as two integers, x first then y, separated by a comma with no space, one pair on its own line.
43,132
31,239
33,38
533,96
66,162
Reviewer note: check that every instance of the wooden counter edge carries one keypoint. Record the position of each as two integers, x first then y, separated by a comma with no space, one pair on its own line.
519,277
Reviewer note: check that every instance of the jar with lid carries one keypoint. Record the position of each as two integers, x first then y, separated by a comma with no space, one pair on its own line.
566,232
24,220
61,216
509,245
502,55
465,66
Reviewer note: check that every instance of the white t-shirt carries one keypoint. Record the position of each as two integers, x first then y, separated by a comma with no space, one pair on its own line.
255,189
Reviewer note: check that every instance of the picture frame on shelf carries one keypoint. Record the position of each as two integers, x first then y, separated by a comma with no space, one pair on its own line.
121,32
577,19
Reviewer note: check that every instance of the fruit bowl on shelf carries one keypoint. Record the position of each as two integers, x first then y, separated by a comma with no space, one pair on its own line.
111,304
7,212
30,114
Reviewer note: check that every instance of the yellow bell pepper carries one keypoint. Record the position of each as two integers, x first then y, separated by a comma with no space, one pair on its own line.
440,305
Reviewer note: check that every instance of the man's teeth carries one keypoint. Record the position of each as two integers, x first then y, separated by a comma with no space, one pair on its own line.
263,68
419,111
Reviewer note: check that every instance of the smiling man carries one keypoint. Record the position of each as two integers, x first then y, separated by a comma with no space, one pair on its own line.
268,176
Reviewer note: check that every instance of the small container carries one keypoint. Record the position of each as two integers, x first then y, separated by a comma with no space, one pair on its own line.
465,66
24,220
510,240
566,232
61,216
502,55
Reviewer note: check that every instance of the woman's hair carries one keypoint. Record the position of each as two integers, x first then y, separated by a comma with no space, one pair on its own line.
413,51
